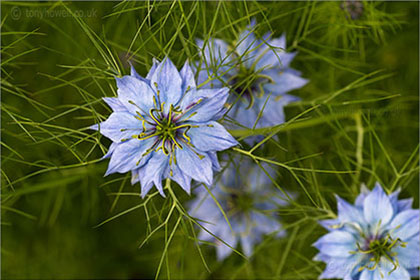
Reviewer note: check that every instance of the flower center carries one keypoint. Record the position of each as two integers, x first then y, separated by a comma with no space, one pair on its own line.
248,84
168,129
240,202
377,248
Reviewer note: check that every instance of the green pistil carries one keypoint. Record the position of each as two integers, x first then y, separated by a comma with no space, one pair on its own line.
379,248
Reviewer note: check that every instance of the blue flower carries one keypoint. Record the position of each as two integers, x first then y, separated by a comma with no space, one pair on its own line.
376,238
257,71
248,198
164,127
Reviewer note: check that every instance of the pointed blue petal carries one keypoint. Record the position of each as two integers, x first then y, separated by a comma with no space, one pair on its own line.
132,90
336,244
120,125
110,150
168,81
387,268
338,267
153,68
127,154
181,178
284,82
134,73
405,204
247,47
414,272
228,237
393,198
347,213
329,224
204,104
364,191
405,225
370,275
214,161
154,172
134,176
408,256
211,136
247,245
187,76
377,207
214,52
200,169
115,104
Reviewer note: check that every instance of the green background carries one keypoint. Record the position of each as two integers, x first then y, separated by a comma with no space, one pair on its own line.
359,114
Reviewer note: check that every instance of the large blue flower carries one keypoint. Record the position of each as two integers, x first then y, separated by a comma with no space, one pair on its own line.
164,127
258,72
248,198
375,239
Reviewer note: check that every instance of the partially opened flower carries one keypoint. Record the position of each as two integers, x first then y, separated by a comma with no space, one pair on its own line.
164,127
376,238
248,198
258,71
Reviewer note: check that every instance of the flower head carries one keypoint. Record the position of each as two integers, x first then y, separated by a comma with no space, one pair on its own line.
248,198
376,238
258,72
164,127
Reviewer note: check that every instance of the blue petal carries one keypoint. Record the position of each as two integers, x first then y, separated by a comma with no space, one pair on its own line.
187,76
120,125
337,244
214,52
211,136
377,207
247,47
115,104
393,198
273,109
134,176
405,225
154,172
129,155
207,78
370,275
387,268
169,82
414,272
320,257
200,169
339,267
110,150
347,213
247,244
153,68
273,54
181,178
405,204
243,116
364,191
329,224
264,224
214,161
228,237
284,82
136,75
408,256
132,90
204,104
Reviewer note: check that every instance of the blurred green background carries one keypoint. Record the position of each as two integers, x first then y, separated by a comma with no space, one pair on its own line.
60,58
